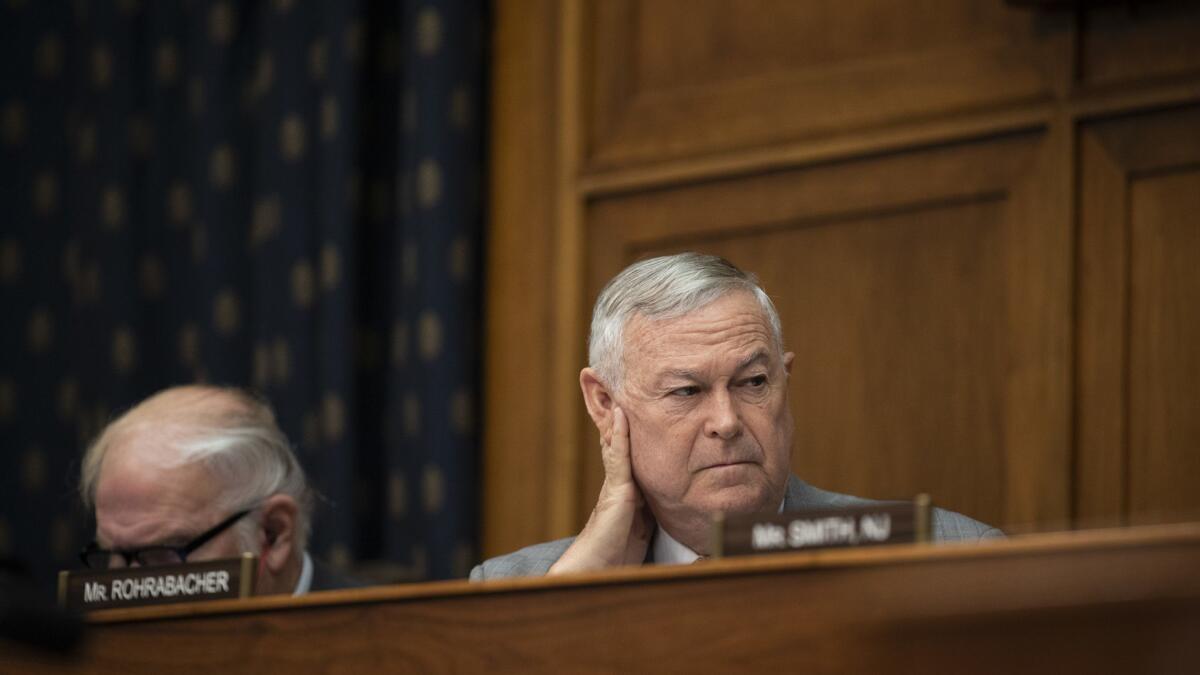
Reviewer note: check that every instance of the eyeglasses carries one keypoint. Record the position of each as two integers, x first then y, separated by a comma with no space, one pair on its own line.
148,556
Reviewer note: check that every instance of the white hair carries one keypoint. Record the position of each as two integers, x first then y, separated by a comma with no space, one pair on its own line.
663,288
232,434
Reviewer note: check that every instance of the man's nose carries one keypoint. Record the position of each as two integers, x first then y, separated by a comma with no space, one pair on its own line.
723,420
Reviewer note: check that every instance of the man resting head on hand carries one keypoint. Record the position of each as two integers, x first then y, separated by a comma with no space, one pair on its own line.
687,384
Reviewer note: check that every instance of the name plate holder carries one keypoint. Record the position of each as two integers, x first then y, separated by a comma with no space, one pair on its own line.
87,590
871,525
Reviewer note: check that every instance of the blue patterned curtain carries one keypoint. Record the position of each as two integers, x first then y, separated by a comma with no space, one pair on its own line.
282,195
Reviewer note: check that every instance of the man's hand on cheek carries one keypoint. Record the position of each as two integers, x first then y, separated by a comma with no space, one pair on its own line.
619,529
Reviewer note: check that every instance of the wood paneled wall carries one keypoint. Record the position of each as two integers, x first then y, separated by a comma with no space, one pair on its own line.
977,221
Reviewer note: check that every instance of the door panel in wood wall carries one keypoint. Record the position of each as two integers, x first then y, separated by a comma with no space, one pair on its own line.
1139,284
675,78
926,300
1164,363
1127,44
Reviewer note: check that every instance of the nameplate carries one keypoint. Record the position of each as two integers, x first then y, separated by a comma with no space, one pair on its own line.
141,586
882,523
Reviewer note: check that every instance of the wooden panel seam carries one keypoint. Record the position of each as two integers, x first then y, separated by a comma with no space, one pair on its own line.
796,154
1080,107
996,196
1099,464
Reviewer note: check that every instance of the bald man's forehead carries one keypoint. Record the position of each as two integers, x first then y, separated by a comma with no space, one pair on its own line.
141,502
148,456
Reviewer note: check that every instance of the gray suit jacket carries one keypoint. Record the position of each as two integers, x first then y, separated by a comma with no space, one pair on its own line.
535,560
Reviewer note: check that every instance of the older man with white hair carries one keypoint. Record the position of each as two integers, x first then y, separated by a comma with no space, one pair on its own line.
201,473
687,384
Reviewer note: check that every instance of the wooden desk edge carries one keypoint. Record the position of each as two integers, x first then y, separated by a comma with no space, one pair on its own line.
1030,544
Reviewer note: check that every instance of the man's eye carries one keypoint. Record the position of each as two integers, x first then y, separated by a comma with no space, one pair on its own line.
685,391
756,381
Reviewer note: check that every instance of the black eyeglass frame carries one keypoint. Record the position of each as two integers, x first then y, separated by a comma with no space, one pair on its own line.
135,555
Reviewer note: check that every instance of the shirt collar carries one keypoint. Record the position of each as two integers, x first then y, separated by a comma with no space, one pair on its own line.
304,584
668,551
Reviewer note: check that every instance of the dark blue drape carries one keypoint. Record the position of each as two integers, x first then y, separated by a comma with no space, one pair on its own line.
282,195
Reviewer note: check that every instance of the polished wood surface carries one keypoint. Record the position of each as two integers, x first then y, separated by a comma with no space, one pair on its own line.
1139,366
1097,602
676,78
1123,47
517,392
1023,170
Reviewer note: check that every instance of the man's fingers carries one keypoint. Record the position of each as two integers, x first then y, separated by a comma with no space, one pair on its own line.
616,452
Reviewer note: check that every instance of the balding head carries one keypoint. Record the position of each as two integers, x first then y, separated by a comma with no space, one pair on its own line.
163,428
188,457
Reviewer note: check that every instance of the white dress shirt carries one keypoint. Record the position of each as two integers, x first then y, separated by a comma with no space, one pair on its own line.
668,551
304,583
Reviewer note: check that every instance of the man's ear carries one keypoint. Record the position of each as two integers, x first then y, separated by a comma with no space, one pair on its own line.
598,399
788,358
279,516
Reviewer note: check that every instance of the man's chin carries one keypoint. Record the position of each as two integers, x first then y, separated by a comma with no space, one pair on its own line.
740,500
